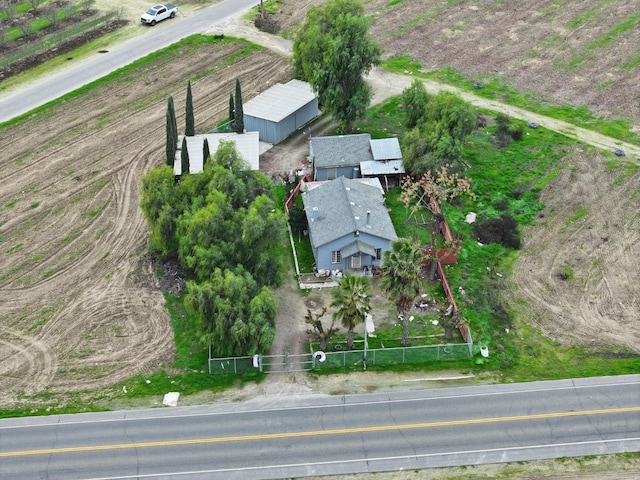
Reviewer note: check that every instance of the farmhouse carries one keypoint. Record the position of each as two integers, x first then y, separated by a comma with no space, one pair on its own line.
247,145
349,225
281,110
355,156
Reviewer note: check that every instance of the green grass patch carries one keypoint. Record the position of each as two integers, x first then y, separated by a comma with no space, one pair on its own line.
578,215
402,64
393,3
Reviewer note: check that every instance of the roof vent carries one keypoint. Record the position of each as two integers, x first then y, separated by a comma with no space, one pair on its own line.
315,214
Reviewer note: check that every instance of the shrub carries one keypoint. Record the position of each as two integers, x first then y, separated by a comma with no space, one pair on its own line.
502,229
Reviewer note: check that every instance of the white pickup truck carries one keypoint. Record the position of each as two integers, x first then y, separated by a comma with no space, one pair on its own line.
158,13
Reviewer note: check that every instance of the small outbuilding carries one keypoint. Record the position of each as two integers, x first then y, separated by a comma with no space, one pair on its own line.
247,145
281,110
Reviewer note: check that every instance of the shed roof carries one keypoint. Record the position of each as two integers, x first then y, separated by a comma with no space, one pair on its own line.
386,149
386,167
279,101
342,207
247,145
340,150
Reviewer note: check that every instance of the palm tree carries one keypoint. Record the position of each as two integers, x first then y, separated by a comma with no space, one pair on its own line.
401,278
351,297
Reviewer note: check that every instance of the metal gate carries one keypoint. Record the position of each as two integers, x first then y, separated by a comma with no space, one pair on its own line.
285,363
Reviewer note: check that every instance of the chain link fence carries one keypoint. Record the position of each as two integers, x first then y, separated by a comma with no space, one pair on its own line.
341,359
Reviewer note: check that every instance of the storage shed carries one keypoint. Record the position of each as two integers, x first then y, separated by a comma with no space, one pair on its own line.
247,145
281,110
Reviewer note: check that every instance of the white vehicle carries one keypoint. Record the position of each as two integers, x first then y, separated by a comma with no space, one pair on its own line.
158,13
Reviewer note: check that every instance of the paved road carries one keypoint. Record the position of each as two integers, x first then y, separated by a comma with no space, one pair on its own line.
287,437
44,90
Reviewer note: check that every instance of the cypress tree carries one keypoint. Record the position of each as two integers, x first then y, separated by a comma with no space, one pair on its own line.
174,123
184,158
190,129
172,136
232,122
205,152
239,113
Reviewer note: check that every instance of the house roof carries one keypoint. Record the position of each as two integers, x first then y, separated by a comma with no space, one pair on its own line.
386,149
340,150
279,101
247,145
385,167
373,181
344,206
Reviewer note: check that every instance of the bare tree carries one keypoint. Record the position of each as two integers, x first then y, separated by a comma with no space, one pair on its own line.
86,5
70,9
51,14
10,9
317,331
25,26
35,5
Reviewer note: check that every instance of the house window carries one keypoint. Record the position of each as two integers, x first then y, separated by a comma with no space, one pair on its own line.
356,261
336,257
332,173
378,254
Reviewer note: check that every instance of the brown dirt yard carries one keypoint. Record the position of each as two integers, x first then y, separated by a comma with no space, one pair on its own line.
80,305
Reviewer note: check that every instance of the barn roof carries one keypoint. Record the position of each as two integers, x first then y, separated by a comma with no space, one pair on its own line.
279,101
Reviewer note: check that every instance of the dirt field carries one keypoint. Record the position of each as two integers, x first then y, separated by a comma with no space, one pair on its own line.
80,306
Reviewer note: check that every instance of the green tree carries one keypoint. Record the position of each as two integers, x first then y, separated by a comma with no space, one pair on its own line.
190,129
351,297
232,110
205,152
234,315
184,158
238,114
158,203
414,100
332,50
172,133
439,137
401,278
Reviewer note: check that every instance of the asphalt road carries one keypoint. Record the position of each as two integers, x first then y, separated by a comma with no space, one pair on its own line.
44,90
327,435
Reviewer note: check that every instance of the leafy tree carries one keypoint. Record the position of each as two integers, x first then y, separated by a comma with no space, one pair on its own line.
232,110
263,232
205,152
190,129
238,114
184,158
172,133
401,278
234,315
332,50
351,297
158,203
414,100
438,139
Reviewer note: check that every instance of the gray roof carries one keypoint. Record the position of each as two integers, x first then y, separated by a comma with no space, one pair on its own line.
279,101
340,208
385,167
386,149
341,150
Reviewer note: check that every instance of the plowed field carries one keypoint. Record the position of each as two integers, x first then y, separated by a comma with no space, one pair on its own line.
80,306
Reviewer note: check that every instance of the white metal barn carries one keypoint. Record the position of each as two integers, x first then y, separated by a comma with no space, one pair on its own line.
281,110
